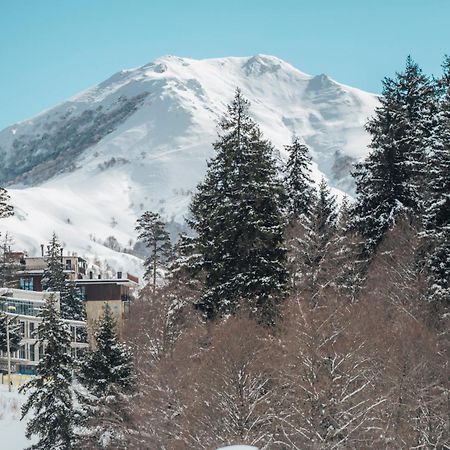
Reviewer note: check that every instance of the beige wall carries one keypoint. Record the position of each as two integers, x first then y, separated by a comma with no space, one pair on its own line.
94,310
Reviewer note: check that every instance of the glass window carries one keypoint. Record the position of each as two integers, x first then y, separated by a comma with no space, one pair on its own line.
33,352
26,283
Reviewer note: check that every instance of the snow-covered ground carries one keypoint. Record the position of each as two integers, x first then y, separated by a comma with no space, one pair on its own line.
12,429
154,156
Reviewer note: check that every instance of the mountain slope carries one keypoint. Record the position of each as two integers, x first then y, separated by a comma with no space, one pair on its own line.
140,140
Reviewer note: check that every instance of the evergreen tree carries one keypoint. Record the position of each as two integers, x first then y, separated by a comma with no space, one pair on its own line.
297,180
54,279
107,374
437,204
110,363
236,214
74,308
9,266
437,211
388,181
7,271
439,278
50,391
315,246
6,209
324,213
14,333
152,231
345,268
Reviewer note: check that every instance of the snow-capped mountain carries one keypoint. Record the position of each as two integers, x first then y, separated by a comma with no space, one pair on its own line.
90,166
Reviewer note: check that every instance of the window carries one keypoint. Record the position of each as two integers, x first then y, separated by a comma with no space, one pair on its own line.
32,331
33,352
22,352
26,284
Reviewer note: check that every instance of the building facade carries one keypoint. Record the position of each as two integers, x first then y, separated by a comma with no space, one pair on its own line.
117,293
23,308
95,290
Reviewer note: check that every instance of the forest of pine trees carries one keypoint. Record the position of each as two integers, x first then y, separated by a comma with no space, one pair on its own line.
287,319
291,320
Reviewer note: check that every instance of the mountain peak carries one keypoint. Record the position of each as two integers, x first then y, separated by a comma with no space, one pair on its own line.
144,135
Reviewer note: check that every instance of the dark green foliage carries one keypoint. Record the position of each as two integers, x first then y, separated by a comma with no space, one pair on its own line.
438,265
14,333
72,302
297,180
388,181
50,392
324,213
152,231
236,214
6,209
54,280
437,204
312,241
9,264
110,363
107,375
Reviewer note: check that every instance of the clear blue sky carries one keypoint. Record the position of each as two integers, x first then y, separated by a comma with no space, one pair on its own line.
51,49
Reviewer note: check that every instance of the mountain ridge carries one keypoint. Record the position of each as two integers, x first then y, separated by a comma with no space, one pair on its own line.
141,139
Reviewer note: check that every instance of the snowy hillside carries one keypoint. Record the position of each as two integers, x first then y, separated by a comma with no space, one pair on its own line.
140,140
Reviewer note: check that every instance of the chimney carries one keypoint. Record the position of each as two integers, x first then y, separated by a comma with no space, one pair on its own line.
42,250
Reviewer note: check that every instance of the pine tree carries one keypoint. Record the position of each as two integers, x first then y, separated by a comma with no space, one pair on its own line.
437,203
324,213
152,231
54,279
297,180
6,209
14,333
51,396
388,181
107,374
74,308
345,269
110,363
315,245
236,214
439,275
9,266
437,215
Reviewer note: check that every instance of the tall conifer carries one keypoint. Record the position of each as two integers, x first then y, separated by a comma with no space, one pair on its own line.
388,181
51,395
237,216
